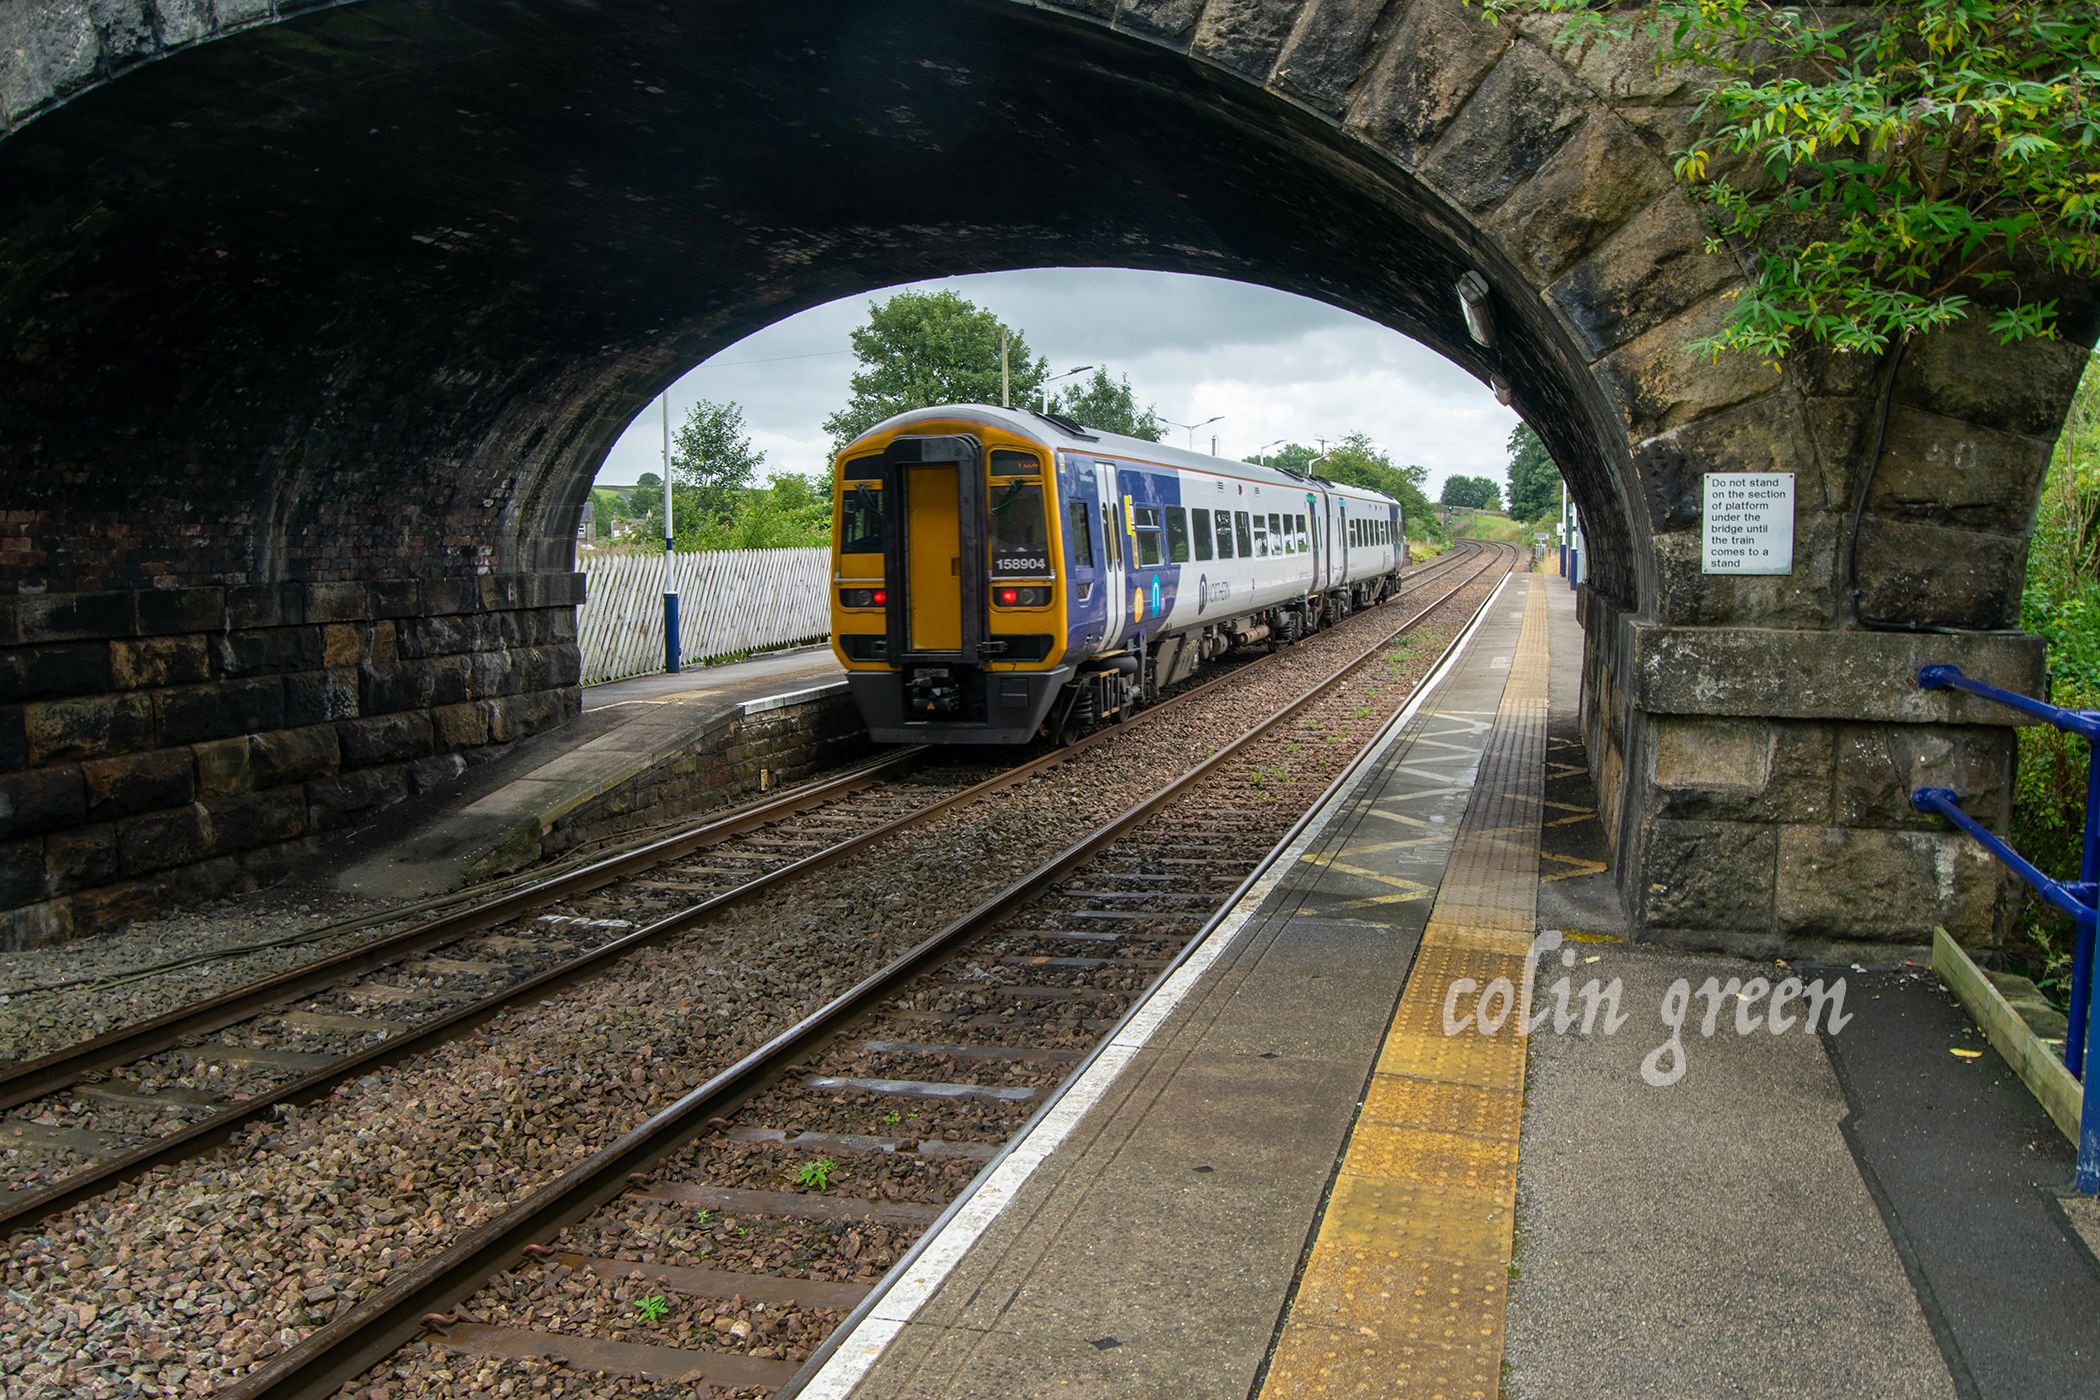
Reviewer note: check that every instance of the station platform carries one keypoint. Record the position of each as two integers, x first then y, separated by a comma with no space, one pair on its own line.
1291,1174
712,732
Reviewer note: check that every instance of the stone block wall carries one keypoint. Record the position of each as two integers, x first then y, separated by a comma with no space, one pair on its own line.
746,754
1755,783
158,745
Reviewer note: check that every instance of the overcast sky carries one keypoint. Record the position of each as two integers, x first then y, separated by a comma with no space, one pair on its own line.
1275,365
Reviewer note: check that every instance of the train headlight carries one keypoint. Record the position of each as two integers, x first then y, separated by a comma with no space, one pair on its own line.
1021,597
863,597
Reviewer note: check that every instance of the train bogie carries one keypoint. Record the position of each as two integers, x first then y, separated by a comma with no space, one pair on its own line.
1000,575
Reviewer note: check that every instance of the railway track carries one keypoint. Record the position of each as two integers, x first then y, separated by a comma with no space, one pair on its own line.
724,1238
179,1084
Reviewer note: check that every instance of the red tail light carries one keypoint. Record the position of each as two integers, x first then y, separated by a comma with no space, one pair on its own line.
864,597
1021,597
881,596
1009,596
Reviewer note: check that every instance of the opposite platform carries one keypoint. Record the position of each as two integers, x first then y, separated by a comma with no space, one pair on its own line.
711,733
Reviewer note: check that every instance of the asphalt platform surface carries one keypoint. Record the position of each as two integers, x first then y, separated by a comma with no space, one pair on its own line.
1864,1213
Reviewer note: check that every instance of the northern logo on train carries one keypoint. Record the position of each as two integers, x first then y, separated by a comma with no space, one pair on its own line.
1155,595
1202,593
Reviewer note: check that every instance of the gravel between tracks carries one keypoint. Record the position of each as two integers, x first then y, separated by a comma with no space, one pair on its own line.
180,1282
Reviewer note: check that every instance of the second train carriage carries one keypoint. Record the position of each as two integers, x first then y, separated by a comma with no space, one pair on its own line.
998,573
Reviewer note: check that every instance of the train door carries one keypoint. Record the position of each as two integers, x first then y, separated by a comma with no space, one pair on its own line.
933,558
1113,527
1316,513
941,487
1341,538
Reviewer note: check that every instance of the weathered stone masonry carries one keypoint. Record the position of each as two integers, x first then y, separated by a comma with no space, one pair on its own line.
358,295
165,744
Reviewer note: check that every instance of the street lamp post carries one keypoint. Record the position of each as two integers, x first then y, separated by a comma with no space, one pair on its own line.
1191,427
1042,390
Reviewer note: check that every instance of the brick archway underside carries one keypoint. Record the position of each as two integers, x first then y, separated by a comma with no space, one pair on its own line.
319,329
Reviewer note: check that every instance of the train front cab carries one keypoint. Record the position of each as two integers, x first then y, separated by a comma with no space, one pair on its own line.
947,603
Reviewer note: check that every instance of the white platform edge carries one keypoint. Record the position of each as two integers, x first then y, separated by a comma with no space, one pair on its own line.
792,697
857,1354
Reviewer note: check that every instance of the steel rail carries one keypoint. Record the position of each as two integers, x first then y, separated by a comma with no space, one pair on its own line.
203,1134
45,1075
373,1329
48,1074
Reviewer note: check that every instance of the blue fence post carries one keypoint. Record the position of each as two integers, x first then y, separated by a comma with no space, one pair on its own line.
2079,900
2083,1007
2077,1035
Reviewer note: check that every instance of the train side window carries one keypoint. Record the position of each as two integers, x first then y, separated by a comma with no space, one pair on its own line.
1242,528
1199,532
860,521
1304,541
1224,534
1261,540
1177,535
1276,542
1080,539
1151,550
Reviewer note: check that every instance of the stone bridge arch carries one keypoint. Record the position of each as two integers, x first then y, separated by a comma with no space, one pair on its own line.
322,316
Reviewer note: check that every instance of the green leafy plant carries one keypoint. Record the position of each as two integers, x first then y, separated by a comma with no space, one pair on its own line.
816,1175
2061,605
1882,168
652,1308
704,1218
892,1118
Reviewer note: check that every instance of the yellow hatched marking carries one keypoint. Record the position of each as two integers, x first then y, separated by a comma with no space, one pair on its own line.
1404,819
1406,1291
1580,867
1398,843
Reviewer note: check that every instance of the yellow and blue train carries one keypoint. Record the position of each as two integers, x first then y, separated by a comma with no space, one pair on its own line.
998,575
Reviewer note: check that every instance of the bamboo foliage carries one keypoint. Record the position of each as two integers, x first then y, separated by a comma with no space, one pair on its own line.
730,602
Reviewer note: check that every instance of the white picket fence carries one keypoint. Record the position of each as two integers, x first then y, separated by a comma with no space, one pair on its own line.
730,601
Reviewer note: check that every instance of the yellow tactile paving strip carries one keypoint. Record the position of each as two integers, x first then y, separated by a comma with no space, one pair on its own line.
1407,1285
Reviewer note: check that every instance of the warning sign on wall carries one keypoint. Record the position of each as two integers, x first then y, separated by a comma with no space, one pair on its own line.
1749,523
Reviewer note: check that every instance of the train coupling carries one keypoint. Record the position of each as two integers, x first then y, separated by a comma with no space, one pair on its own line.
932,692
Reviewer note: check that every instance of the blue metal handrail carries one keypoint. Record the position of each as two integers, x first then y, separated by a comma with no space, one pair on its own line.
2080,898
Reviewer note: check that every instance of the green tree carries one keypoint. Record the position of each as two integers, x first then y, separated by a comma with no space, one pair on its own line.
649,479
1107,404
1472,492
787,512
919,349
1884,166
1534,479
2061,605
712,457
